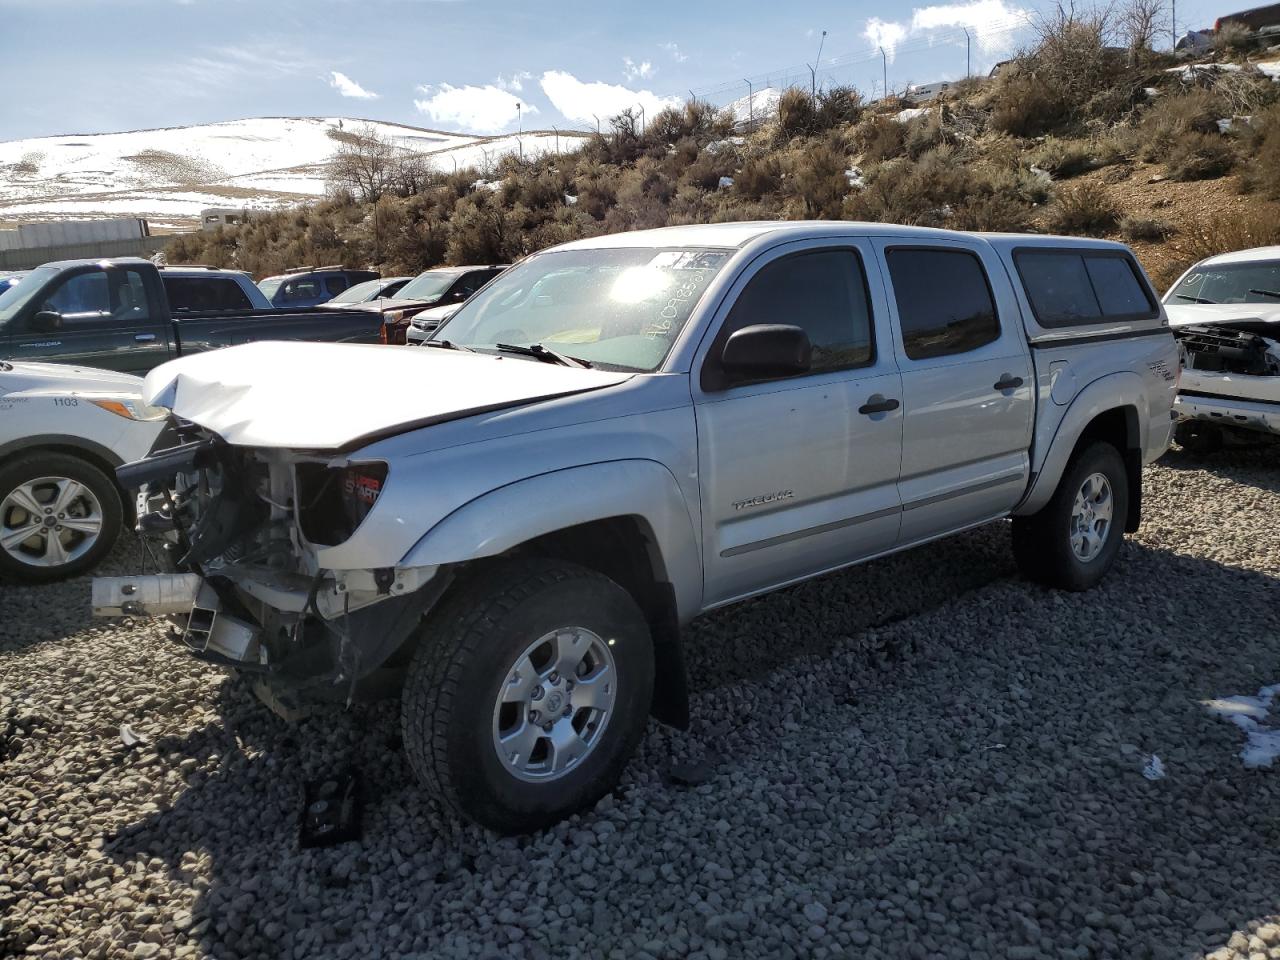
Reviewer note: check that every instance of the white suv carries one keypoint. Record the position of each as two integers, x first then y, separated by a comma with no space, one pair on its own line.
63,431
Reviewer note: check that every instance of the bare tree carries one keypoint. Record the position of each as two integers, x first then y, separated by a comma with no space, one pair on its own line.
364,164
1137,22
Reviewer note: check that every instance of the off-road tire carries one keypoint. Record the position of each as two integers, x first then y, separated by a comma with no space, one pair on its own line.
463,655
31,466
1042,541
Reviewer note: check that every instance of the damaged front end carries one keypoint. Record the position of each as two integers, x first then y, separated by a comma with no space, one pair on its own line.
243,528
1230,375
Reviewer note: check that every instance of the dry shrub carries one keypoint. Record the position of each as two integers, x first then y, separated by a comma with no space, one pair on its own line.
1200,156
1026,106
1175,117
817,179
1142,228
797,115
839,106
1233,38
1083,208
759,176
1064,158
880,138
1262,172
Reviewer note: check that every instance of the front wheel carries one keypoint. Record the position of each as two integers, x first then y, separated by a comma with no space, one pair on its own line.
1073,541
527,694
59,515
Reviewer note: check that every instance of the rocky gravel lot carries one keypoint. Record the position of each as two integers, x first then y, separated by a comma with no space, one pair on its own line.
924,757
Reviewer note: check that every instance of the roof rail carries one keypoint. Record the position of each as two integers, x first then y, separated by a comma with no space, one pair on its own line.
298,269
332,266
186,266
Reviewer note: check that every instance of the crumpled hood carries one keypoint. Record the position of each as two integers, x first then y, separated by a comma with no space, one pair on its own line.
34,379
328,396
1208,314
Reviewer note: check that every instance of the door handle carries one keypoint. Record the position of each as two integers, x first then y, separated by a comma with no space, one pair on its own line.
144,337
1008,383
877,404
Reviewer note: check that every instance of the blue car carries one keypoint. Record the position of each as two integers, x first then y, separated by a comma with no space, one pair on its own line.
310,286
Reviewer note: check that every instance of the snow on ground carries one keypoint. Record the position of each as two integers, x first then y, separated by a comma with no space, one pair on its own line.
1262,744
175,172
759,105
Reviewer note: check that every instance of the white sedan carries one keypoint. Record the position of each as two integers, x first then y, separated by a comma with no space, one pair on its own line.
63,431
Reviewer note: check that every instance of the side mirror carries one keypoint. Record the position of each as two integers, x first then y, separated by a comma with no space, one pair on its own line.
46,321
766,350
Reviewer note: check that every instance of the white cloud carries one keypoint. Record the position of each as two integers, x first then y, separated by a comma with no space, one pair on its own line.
673,51
474,109
636,71
515,82
584,101
885,34
991,22
348,87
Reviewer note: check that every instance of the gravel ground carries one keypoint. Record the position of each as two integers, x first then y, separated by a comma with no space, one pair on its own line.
923,757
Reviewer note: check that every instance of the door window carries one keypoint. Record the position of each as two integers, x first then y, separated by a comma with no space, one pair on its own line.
335,285
824,293
944,302
301,290
102,297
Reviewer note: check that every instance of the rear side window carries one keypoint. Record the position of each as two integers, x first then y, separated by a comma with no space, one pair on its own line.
335,285
1078,287
824,293
301,290
944,302
204,294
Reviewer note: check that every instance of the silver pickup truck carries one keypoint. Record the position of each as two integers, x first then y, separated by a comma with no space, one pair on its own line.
621,434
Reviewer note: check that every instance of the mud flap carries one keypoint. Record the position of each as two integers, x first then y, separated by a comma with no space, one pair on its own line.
671,680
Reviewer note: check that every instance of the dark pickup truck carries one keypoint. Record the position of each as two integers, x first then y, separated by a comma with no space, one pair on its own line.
115,314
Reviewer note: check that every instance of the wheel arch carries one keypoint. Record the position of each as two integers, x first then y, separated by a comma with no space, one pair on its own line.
1105,411
104,458
625,519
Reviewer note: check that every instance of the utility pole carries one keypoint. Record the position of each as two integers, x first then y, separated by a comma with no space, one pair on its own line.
557,133
519,117
817,63
885,61
751,102
968,71
813,82
1173,22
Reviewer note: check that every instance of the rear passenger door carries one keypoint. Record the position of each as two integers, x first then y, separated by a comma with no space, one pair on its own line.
798,474
968,408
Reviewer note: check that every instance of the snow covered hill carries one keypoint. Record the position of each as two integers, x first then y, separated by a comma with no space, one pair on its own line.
170,175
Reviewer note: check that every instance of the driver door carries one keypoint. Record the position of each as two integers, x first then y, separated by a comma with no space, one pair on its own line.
106,322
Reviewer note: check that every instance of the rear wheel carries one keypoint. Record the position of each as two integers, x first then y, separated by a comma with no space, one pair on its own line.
527,694
59,515
1073,541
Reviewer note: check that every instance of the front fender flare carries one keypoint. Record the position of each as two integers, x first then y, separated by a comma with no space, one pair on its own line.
502,519
1114,391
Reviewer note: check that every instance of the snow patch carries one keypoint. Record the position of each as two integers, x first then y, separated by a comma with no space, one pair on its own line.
853,176
726,183
1262,743
906,116
719,146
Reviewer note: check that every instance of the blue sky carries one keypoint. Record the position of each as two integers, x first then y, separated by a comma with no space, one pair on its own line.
93,66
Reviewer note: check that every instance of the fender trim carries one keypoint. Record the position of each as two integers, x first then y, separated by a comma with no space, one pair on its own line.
501,519
1112,392
63,442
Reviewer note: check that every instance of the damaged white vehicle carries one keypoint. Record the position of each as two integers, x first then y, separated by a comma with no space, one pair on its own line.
1225,313
513,522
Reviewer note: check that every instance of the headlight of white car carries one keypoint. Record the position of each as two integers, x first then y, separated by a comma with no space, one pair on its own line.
131,409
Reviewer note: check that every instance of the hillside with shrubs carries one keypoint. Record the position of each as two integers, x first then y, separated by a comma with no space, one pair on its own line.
1090,131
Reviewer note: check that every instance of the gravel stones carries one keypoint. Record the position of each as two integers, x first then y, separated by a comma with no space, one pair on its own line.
923,757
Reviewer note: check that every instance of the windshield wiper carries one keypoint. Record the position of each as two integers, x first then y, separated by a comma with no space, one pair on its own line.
539,352
447,345
1187,296
1265,293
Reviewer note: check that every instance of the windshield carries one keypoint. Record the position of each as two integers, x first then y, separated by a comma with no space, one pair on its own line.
614,308
427,286
16,297
359,293
269,287
1257,282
